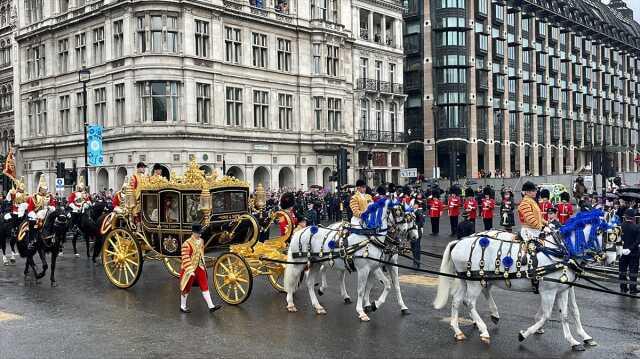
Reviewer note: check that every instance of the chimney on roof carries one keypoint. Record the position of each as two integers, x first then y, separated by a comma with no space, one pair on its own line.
622,8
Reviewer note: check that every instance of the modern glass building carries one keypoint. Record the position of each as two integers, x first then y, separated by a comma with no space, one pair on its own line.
521,86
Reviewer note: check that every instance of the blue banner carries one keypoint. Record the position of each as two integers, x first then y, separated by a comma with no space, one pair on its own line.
94,145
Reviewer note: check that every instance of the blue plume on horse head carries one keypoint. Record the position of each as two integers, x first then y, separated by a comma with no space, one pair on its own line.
372,216
573,233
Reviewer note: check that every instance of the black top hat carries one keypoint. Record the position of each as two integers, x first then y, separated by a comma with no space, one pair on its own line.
141,165
196,228
360,183
528,186
157,166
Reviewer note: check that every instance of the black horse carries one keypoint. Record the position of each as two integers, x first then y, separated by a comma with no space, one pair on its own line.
8,230
53,236
90,225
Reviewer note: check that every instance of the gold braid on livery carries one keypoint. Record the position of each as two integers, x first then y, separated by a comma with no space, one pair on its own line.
530,214
359,203
192,254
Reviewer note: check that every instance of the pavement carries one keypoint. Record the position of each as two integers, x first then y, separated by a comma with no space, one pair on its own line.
86,317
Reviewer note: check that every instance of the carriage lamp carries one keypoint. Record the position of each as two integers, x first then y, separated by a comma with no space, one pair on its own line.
260,198
205,206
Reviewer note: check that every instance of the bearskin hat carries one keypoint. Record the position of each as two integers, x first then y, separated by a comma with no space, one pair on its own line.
455,189
564,196
544,193
391,188
381,190
617,181
436,192
287,200
469,192
528,186
487,191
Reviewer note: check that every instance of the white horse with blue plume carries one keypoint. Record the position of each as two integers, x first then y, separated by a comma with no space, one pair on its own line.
343,247
482,261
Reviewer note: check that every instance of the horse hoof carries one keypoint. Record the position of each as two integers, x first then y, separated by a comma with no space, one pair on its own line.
460,337
485,339
367,309
364,318
495,319
540,331
321,311
53,283
578,348
347,300
320,292
590,343
405,311
292,309
521,337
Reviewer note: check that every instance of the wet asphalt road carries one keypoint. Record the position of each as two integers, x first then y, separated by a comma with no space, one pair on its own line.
85,317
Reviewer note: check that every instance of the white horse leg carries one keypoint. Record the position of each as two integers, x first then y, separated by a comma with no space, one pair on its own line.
311,281
458,295
292,275
323,281
473,292
343,287
495,316
363,277
395,281
547,297
563,299
386,288
575,312
367,294
538,316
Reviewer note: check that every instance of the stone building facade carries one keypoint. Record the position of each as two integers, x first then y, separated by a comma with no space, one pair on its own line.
521,87
6,81
263,88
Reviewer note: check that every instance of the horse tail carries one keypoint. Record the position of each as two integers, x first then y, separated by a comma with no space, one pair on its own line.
444,283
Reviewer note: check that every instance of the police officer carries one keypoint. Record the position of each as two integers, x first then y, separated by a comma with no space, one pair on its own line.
630,252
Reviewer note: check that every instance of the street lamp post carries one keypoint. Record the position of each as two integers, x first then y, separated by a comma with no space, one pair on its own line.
593,169
604,159
84,75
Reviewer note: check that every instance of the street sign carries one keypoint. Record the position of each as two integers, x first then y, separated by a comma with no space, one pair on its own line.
409,173
59,184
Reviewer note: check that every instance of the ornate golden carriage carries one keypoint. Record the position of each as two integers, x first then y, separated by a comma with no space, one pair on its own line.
158,216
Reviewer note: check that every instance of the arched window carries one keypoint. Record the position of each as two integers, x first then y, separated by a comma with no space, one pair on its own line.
393,115
3,17
364,115
3,98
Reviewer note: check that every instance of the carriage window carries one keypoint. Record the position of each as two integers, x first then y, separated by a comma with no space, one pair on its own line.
229,201
170,207
150,203
191,208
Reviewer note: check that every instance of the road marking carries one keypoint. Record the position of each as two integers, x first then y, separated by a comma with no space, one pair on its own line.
633,349
4,316
463,322
424,280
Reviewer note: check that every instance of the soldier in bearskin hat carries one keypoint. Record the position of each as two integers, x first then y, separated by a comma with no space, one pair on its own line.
287,201
435,208
454,205
544,203
487,205
565,208
471,204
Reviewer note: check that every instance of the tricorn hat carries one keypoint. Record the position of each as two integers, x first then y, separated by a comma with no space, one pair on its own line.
141,165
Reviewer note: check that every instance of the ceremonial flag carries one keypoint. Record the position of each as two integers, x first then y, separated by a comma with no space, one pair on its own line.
10,165
95,145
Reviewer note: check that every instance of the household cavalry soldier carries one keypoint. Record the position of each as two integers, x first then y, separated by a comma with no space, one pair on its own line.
18,200
454,204
359,202
40,202
530,213
544,203
565,208
79,199
193,269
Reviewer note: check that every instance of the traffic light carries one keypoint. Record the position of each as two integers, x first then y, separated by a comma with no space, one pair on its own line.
60,169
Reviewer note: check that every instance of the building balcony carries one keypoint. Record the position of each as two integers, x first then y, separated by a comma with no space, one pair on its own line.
376,86
381,136
442,133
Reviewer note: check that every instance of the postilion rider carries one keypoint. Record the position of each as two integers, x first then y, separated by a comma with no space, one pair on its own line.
359,202
193,269
530,213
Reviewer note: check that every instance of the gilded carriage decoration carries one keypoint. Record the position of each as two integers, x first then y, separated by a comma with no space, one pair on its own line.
157,217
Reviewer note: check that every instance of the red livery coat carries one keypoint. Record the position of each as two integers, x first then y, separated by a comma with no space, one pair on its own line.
471,206
488,204
454,204
565,211
544,206
435,207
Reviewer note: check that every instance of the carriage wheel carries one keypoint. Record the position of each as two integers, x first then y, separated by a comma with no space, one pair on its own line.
122,258
276,278
173,265
232,278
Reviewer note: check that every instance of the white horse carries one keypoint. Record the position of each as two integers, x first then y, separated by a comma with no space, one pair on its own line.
404,233
314,243
466,255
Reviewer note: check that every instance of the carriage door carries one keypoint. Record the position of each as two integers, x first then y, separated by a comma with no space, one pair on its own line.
169,217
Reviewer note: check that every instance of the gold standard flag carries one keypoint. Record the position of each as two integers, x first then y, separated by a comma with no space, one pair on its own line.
10,165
